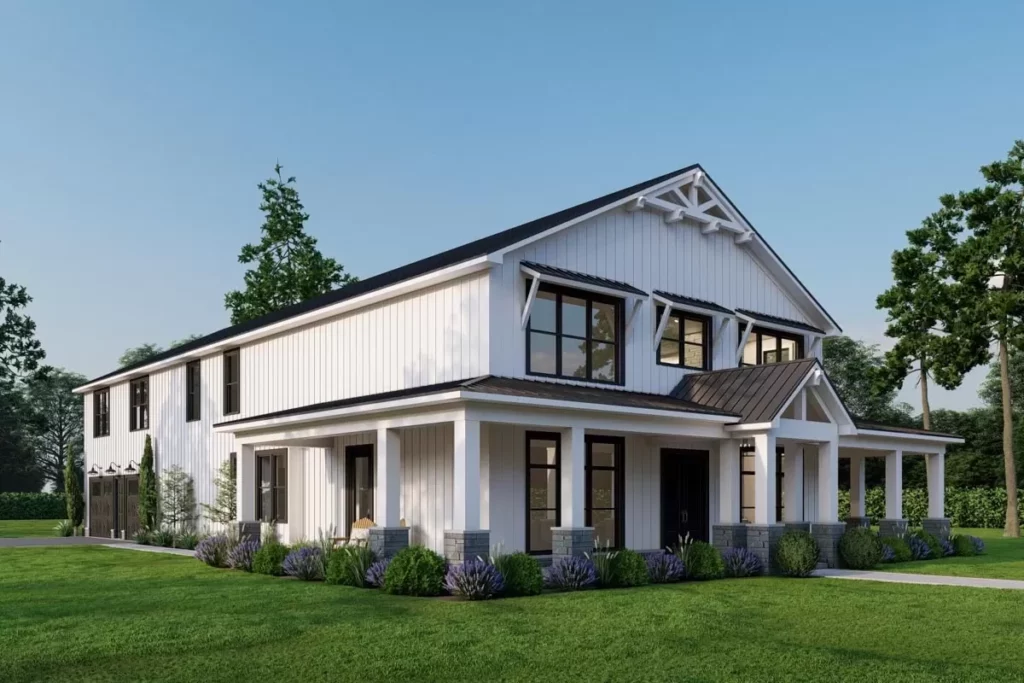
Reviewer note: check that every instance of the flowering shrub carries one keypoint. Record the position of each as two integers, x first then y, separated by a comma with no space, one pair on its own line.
521,573
571,574
305,563
242,555
740,562
213,551
664,567
797,554
933,542
947,548
979,545
375,573
473,580
919,549
888,555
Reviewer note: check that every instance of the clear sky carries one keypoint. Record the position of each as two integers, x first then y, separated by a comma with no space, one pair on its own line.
132,136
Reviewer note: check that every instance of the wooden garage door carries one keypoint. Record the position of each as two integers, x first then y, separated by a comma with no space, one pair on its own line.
102,504
128,505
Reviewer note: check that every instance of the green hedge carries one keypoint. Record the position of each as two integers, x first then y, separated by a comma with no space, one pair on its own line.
32,506
983,508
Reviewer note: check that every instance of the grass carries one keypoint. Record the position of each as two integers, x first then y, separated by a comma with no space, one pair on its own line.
1003,559
93,613
26,528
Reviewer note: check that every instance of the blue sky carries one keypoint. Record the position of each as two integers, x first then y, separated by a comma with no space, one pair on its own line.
133,135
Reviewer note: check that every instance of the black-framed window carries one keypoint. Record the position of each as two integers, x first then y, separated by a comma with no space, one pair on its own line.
543,489
359,482
686,341
747,484
766,346
576,335
101,412
138,416
604,504
272,487
232,382
192,391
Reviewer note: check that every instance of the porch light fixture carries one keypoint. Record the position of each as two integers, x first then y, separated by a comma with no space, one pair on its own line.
131,466
111,470
93,471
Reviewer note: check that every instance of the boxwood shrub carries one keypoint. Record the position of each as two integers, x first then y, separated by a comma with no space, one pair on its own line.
963,546
702,561
415,570
860,548
796,554
900,549
269,557
629,568
522,573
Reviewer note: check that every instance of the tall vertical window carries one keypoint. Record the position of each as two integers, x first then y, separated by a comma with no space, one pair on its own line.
543,495
359,482
604,489
686,340
101,412
192,395
765,346
575,334
232,382
747,484
138,417
272,487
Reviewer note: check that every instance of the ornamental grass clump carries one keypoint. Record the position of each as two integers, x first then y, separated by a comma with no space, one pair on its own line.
604,567
521,573
242,555
305,563
187,541
571,574
415,570
163,538
348,566
740,563
629,568
375,573
797,554
64,527
143,537
860,548
664,567
213,551
474,580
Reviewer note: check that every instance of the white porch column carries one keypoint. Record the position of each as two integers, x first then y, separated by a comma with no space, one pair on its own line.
936,464
388,493
466,476
793,483
245,474
764,478
828,482
894,485
573,481
729,482
297,495
858,506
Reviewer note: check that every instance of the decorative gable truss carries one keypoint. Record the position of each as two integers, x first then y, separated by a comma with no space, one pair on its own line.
691,198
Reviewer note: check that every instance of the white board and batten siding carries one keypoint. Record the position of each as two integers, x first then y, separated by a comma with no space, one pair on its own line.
640,249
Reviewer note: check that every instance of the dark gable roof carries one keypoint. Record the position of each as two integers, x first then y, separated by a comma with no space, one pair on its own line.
582,278
773,320
480,247
878,427
688,301
505,386
756,393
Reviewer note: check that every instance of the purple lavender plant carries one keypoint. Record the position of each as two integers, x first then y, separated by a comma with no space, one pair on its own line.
213,551
888,554
305,563
740,562
979,545
571,574
919,548
664,567
376,571
474,580
948,549
242,554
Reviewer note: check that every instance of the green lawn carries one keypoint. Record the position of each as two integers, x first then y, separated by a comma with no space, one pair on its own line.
1003,559
93,613
21,528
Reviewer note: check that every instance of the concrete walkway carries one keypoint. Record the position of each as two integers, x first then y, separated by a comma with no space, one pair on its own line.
920,579
152,549
55,541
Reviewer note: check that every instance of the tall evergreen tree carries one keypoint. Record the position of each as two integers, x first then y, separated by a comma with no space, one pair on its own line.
226,500
289,267
73,490
147,488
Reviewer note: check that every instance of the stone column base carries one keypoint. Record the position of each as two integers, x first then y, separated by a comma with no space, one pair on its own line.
729,536
567,541
827,537
892,527
386,541
761,541
463,546
856,522
937,527
798,526
248,531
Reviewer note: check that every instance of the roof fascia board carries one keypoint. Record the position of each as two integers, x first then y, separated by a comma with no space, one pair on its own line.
576,284
424,281
484,397
776,326
933,438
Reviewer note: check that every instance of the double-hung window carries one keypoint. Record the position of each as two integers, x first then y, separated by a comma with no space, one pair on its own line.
232,382
686,341
138,417
192,395
766,346
101,412
272,487
576,335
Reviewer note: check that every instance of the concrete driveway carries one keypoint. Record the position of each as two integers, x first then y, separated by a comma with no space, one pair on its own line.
55,541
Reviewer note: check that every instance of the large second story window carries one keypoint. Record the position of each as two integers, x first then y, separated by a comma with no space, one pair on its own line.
686,341
101,412
192,391
576,335
138,417
232,382
766,346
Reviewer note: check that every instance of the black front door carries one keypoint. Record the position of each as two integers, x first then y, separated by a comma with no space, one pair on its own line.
684,496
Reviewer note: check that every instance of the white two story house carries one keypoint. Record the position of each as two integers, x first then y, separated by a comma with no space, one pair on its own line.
640,367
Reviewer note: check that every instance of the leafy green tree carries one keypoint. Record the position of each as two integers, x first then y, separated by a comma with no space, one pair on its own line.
980,233
979,460
147,488
73,490
289,267
59,424
19,470
137,354
184,340
853,368
177,499
20,351
223,509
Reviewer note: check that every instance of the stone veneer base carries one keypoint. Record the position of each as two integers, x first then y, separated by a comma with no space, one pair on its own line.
853,522
386,541
892,527
462,546
938,527
729,536
761,541
827,537
568,541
